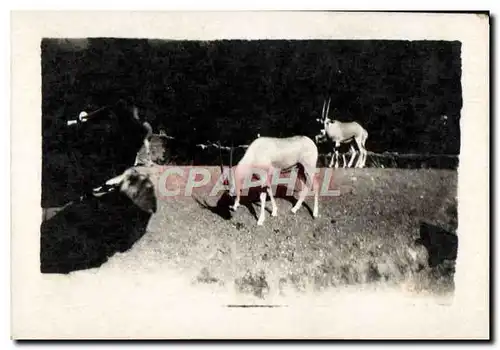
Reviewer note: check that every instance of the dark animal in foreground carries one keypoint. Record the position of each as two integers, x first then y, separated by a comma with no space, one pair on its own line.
85,233
82,156
440,243
102,212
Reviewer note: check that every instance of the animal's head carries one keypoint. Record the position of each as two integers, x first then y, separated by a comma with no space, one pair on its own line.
321,137
138,187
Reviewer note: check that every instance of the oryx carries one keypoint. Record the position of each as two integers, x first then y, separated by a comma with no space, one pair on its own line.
264,156
343,132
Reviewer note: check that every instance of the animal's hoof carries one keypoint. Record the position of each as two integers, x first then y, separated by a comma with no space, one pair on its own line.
260,223
274,213
293,210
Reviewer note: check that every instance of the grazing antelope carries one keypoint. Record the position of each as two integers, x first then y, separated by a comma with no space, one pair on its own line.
343,132
85,233
267,154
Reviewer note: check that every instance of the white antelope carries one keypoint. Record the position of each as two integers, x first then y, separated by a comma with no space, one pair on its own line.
265,155
343,132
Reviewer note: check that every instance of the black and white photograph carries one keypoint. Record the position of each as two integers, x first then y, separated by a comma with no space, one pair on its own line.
316,179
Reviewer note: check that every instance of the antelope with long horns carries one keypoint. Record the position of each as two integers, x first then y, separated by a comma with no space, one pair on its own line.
343,132
266,155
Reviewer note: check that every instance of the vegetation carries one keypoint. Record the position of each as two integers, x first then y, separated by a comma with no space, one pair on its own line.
407,94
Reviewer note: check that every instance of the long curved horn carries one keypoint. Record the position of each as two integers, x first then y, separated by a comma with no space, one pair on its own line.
96,112
328,108
323,111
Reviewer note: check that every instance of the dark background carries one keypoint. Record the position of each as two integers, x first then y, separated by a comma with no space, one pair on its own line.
230,90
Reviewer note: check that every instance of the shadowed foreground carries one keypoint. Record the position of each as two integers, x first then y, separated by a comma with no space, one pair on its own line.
84,234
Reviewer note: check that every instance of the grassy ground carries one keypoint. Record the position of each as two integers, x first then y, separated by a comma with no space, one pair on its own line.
364,237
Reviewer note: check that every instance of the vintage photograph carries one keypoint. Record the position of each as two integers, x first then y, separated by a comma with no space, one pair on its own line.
264,173
125,121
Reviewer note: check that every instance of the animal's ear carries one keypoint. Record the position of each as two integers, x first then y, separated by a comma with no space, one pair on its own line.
116,180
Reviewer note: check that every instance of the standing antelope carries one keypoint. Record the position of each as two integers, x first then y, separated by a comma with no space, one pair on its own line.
267,154
343,132
321,137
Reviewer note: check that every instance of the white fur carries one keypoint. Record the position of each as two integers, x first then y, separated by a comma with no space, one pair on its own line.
268,154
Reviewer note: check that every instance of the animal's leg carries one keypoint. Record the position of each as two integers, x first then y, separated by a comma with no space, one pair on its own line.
363,150
331,159
262,208
315,186
237,186
353,155
309,179
363,158
302,196
270,193
273,203
236,203
337,146
360,150
316,198
344,163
